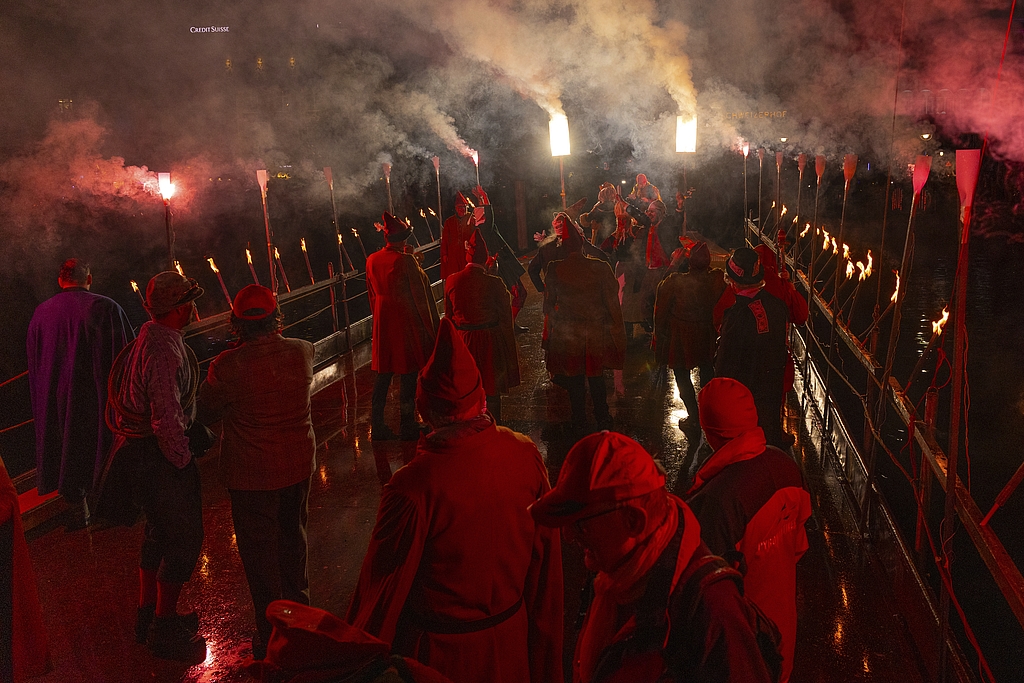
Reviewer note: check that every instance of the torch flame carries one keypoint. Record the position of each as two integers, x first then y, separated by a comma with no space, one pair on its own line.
431,211
746,149
558,130
773,205
686,134
941,322
896,292
166,186
135,286
303,241
339,238
248,256
867,269
846,251
796,217
476,156
849,269
277,254
355,232
177,267
783,212
423,213
213,266
863,272
824,245
805,230
835,247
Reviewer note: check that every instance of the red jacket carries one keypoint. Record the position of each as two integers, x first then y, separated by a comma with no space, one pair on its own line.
758,505
584,319
404,313
481,308
24,618
455,543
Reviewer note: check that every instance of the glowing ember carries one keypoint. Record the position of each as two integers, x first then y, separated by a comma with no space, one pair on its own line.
213,266
686,134
166,186
863,272
849,269
558,129
303,241
806,229
940,323
896,292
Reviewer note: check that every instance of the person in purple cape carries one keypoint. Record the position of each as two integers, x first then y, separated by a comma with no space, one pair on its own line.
72,342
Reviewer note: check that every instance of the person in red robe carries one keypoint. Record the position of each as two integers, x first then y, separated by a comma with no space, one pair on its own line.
645,621
23,645
454,233
404,326
458,576
480,307
750,498
584,328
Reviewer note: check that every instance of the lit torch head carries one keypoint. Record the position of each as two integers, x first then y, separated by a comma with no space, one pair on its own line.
867,269
213,266
849,269
135,286
863,271
355,233
431,212
248,256
806,229
166,186
746,149
476,157
423,214
177,267
783,212
277,254
835,247
846,251
941,322
896,291
303,242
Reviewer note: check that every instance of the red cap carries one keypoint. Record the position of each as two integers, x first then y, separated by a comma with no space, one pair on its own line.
450,383
253,302
727,410
395,230
476,248
600,471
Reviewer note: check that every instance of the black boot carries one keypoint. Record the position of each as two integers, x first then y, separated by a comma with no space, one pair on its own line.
380,430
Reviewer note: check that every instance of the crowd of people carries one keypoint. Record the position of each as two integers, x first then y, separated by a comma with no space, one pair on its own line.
462,580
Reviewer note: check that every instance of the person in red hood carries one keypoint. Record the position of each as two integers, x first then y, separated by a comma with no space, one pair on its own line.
479,305
644,544
684,335
458,575
750,498
583,321
404,326
23,647
454,233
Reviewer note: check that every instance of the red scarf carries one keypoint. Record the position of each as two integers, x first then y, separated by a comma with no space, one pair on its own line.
731,449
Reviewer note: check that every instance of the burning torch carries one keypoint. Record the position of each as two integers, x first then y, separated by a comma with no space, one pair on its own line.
177,267
167,191
261,178
475,155
284,276
936,333
558,130
342,251
220,279
430,232
387,183
746,153
135,286
309,269
248,257
359,239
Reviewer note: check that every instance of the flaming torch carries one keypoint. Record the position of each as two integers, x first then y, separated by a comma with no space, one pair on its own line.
284,276
423,214
360,240
248,257
220,279
261,178
475,155
387,183
135,286
342,251
937,326
801,164
167,191
863,273
177,267
440,211
412,232
305,255
558,130
746,153
686,134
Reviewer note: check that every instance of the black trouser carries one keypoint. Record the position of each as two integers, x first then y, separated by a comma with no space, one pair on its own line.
172,501
685,385
270,530
494,407
406,396
577,388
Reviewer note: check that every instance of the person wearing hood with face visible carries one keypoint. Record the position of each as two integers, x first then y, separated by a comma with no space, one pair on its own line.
583,322
479,305
404,326
752,505
645,621
458,576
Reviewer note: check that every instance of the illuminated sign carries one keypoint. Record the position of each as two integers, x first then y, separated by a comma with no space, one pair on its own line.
209,29
756,114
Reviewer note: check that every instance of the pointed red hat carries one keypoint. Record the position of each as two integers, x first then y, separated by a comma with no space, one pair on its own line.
571,237
476,248
395,230
460,199
449,384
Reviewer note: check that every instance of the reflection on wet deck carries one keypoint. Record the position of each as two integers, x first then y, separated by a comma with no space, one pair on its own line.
849,627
